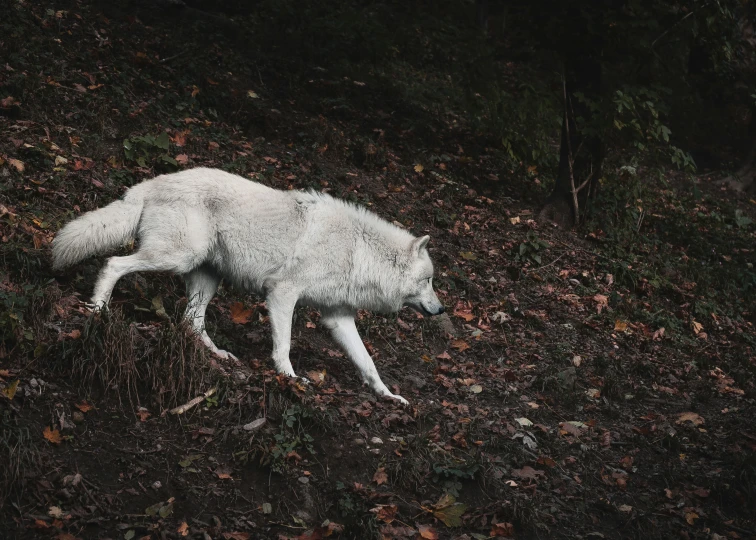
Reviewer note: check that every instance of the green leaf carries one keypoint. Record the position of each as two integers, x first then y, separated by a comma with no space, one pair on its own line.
451,515
162,141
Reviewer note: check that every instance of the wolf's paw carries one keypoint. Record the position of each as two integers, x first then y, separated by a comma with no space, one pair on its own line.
225,355
397,397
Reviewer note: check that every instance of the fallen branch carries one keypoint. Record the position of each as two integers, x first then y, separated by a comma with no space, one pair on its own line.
181,409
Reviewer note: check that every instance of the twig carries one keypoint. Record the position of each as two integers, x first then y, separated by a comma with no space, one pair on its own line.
164,60
667,31
575,203
186,406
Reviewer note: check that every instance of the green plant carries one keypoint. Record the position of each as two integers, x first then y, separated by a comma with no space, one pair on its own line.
290,438
531,249
13,306
450,474
146,150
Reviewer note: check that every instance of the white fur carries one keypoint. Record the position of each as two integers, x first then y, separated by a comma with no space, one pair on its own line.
294,247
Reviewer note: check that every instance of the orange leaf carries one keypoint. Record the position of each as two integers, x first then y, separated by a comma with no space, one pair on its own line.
84,406
10,390
620,326
505,530
690,417
52,436
385,512
460,345
240,315
183,529
427,532
17,164
380,476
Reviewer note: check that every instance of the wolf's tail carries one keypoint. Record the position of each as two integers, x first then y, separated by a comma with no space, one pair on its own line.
98,231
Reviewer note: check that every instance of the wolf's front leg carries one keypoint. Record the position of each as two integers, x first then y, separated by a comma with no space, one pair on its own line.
281,302
344,331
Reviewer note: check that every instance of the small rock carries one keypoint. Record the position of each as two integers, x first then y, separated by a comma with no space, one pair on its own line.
376,440
255,425
157,484
304,480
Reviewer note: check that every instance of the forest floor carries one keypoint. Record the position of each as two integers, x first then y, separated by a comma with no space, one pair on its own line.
583,385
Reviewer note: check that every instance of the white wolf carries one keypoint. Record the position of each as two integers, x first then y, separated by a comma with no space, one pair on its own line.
292,246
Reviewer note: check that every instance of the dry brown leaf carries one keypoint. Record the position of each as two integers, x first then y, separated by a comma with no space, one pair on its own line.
10,390
427,532
52,436
385,512
224,473
84,406
419,168
697,327
240,315
691,517
503,530
460,345
380,476
183,529
620,326
690,417
17,164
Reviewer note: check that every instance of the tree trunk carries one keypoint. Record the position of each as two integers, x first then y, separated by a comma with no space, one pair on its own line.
745,178
481,15
581,149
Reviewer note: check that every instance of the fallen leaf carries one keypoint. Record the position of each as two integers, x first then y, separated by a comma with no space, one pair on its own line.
691,517
505,530
697,327
625,508
690,417
55,512
427,532
183,529
10,390
476,389
252,94
60,160
84,406
182,159
514,220
444,356
52,436
460,345
224,473
524,422
380,476
449,511
385,512
143,414
17,164
527,473
419,168
240,315
620,326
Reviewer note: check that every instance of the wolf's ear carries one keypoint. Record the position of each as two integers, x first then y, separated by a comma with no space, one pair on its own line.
419,244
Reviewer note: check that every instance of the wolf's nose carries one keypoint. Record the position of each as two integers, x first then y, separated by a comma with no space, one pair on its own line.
440,310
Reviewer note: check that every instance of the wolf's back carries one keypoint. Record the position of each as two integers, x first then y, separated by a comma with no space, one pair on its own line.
98,231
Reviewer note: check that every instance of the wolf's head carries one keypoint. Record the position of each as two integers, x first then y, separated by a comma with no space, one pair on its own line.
418,286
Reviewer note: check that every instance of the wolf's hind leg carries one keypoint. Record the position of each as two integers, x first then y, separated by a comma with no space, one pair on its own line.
281,302
344,331
201,284
117,267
